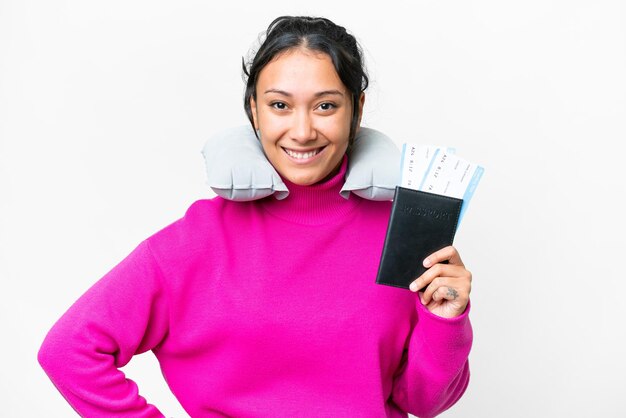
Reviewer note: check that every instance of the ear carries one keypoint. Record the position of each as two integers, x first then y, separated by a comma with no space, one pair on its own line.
255,118
361,103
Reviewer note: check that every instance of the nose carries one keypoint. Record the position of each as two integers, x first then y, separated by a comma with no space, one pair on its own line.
302,129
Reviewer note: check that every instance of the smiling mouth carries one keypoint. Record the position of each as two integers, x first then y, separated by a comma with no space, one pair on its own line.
299,155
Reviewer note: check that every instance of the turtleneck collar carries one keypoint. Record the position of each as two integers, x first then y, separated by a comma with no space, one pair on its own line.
316,204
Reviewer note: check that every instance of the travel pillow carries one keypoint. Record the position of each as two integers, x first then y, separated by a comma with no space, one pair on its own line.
237,168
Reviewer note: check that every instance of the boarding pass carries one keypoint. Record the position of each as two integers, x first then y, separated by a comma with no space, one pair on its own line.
436,169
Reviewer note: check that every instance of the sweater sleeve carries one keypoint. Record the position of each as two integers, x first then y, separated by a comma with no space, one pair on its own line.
434,372
123,314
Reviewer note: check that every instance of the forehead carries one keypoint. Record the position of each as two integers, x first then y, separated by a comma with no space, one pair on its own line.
300,70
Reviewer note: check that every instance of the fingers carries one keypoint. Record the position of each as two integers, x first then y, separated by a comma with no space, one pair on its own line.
448,270
445,292
448,253
449,288
444,281
446,284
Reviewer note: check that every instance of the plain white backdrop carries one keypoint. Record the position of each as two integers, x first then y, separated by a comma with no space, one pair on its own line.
105,106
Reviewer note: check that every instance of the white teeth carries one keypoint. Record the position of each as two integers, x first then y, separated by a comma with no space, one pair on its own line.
302,155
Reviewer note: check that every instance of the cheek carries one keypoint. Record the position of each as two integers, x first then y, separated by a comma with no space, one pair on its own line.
269,147
271,126
338,130
344,121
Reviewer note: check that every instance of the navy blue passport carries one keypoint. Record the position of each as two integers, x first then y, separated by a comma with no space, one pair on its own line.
420,224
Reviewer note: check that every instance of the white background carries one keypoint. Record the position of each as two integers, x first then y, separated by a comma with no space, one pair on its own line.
105,106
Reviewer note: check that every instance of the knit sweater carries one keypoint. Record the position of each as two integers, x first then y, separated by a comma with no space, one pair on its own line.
266,308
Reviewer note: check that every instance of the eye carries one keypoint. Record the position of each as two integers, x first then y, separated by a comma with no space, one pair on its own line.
327,106
279,105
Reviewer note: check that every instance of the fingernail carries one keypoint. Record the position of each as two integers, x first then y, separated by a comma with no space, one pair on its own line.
427,262
413,287
422,299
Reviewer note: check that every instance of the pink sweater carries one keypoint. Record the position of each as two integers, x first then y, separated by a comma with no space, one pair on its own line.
262,309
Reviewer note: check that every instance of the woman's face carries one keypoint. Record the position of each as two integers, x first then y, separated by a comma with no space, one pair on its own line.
303,112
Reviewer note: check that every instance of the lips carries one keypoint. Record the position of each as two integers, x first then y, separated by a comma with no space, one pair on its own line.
304,154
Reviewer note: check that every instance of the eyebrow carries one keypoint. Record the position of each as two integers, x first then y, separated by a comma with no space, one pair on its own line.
318,94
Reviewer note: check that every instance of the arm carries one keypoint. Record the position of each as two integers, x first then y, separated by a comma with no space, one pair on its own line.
435,368
123,314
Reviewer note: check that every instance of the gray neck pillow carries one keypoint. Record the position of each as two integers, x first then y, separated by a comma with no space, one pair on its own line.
237,168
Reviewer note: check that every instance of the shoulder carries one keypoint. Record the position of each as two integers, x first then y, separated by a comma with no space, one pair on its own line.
203,222
202,210
197,214
186,232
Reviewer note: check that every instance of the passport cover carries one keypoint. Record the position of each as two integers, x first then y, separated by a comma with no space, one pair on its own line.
420,224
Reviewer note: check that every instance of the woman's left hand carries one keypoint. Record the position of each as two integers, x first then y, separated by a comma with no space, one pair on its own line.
449,285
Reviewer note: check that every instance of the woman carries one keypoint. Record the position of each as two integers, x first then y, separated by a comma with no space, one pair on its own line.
269,307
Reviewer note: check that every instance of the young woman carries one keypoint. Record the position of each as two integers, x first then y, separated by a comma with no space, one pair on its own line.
270,307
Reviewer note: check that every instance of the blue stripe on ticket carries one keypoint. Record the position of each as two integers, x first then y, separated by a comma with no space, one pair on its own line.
469,192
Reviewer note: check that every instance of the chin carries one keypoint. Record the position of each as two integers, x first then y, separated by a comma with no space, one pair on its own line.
306,177
310,175
303,180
